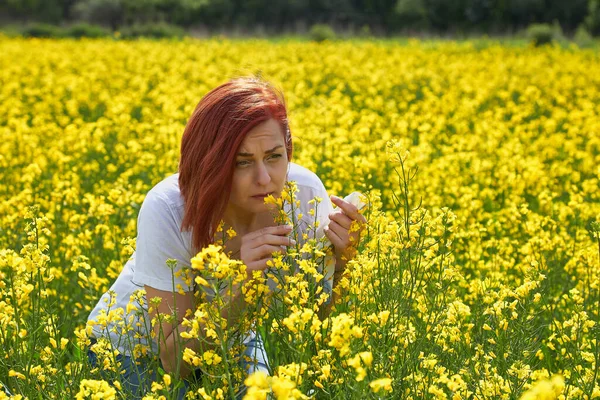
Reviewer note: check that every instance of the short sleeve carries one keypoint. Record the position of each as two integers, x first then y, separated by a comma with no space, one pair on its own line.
159,239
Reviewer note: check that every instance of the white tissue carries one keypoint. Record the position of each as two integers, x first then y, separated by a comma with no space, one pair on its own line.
355,198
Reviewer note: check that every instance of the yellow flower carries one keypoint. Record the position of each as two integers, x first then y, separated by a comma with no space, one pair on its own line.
257,386
94,389
283,388
546,389
479,187
342,330
381,384
231,233
211,358
13,373
156,387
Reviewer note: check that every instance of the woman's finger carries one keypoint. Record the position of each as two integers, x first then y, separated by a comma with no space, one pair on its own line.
340,231
332,232
278,230
251,254
257,258
258,265
266,250
275,240
341,218
257,247
348,208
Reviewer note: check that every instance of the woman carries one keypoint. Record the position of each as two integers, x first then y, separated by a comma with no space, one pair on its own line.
235,151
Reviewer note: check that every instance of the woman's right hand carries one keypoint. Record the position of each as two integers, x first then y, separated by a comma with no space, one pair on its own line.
257,247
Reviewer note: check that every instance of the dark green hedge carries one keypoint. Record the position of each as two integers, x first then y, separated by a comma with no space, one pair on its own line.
280,16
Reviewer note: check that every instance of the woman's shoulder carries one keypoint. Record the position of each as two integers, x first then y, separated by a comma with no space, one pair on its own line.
162,210
166,193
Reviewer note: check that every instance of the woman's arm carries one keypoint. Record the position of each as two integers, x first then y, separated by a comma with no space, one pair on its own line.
256,249
168,334
165,333
336,293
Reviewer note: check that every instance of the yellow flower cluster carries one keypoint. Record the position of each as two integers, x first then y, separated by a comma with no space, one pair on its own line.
476,276
95,390
260,386
547,389
213,264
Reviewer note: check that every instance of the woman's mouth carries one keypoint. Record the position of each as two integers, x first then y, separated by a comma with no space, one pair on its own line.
261,196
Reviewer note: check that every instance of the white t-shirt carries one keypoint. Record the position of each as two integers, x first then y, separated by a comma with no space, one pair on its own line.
160,238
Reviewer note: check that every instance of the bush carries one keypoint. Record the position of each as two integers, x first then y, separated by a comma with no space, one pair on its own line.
11,30
321,32
104,12
411,14
41,30
592,21
583,38
152,30
540,34
558,33
87,30
365,32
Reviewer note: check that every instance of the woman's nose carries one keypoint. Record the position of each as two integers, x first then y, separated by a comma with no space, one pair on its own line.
263,176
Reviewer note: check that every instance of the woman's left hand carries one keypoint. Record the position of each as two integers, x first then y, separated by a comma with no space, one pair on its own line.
338,231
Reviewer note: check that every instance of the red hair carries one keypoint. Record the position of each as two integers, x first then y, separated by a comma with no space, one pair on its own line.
209,145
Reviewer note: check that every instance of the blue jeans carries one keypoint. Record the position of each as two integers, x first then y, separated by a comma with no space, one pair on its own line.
138,377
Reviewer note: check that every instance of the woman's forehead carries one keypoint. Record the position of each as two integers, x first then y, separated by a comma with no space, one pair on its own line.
263,136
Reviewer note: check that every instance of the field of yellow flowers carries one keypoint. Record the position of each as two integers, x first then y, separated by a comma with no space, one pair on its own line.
478,276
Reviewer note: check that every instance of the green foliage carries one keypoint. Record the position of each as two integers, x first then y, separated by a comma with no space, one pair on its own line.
540,34
480,12
411,13
558,34
365,32
443,14
321,32
49,11
11,30
153,30
583,38
103,12
277,16
41,30
523,12
592,21
87,30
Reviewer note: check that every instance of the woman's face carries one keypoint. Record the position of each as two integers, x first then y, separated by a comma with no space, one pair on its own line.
260,169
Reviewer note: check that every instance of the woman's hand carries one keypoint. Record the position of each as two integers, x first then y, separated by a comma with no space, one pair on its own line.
257,247
338,231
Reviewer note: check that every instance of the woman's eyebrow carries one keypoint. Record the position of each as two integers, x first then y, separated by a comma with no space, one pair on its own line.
266,152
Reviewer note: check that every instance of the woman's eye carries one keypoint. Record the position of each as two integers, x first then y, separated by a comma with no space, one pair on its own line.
245,163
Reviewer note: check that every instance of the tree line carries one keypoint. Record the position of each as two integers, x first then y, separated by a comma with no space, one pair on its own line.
279,16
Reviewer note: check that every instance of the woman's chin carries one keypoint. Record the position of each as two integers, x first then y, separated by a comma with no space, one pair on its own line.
258,208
